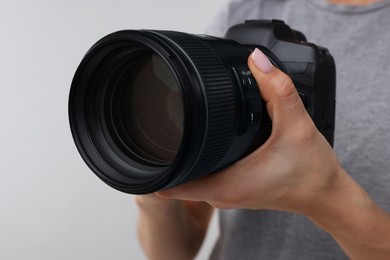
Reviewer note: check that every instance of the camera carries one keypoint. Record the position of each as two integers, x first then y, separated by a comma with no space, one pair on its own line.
151,109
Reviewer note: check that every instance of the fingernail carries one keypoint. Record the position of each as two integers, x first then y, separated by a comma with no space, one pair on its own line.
261,61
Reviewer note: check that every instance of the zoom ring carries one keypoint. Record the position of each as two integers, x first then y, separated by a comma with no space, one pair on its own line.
220,99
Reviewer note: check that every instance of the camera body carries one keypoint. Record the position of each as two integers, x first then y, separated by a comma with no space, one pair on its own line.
310,66
150,109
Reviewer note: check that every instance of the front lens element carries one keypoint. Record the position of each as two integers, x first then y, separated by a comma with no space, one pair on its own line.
151,110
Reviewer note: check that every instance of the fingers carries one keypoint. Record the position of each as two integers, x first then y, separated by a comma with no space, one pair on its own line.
277,89
220,189
196,190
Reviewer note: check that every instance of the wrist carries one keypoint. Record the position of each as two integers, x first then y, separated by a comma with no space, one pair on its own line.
356,222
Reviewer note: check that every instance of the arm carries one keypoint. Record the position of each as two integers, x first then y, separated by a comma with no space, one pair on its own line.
359,225
296,170
171,229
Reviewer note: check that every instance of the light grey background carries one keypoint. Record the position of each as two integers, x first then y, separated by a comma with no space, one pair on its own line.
51,205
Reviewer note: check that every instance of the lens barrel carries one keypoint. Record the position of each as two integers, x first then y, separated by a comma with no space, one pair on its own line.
149,110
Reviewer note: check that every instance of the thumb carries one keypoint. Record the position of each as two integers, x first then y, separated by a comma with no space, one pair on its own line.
278,91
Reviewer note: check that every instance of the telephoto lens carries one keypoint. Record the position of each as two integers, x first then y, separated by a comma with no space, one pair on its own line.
151,109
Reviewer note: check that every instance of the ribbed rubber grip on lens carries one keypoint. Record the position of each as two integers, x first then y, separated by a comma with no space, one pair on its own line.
220,97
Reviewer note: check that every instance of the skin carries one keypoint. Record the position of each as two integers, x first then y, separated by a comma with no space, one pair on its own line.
171,229
172,224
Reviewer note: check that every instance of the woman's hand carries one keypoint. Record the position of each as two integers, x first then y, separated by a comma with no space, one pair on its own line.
292,171
296,170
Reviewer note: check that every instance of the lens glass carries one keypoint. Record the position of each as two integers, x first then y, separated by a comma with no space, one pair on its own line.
151,110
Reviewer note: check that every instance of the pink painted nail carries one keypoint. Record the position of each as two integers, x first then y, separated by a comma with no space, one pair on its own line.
261,61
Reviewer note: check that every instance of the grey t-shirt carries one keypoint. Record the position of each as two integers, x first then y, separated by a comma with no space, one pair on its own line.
359,40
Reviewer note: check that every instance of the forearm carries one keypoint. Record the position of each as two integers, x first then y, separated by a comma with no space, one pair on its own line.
169,230
359,225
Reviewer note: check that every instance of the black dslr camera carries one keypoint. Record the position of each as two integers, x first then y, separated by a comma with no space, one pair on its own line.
152,109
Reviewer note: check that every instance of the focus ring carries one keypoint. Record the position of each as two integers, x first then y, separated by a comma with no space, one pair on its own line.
220,99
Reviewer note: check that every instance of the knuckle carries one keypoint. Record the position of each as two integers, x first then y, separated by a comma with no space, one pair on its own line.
286,88
286,91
